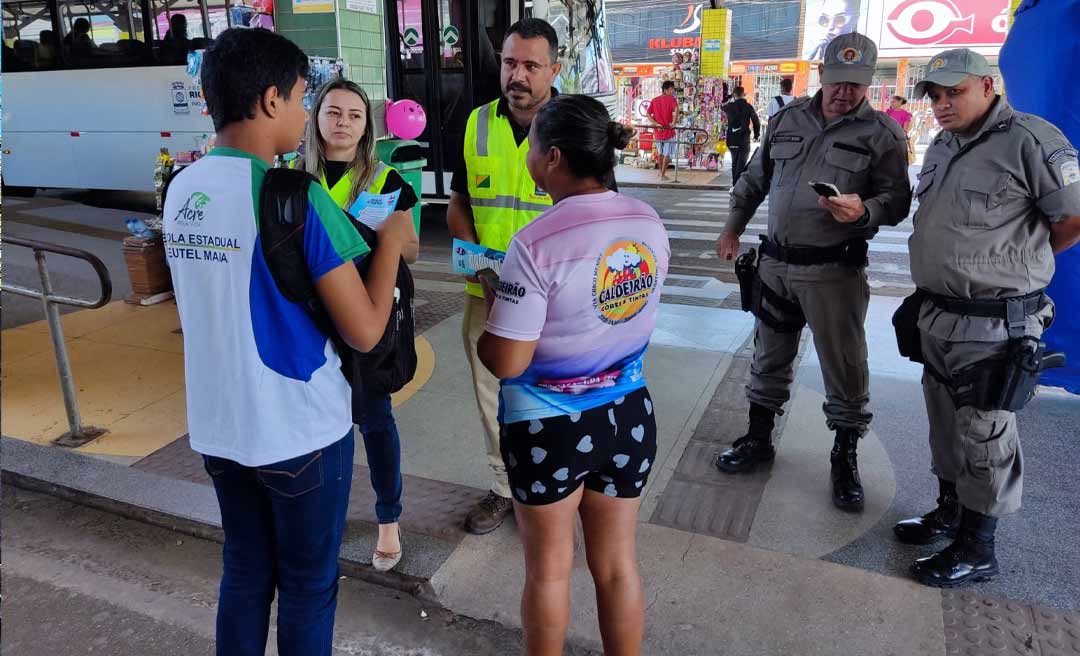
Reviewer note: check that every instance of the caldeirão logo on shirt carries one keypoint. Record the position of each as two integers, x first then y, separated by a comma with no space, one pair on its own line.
625,278
192,213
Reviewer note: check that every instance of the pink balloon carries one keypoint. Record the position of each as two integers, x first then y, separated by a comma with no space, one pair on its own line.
405,119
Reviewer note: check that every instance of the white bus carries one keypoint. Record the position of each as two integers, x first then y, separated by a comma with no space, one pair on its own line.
93,91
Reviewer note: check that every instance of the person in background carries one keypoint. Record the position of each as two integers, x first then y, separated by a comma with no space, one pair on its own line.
899,114
570,320
176,44
492,198
341,155
47,47
740,116
664,111
784,99
268,405
78,40
903,117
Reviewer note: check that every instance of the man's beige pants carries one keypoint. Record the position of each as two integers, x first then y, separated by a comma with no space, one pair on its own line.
486,387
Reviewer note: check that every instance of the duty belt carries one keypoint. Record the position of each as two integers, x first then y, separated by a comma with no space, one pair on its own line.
1013,310
850,253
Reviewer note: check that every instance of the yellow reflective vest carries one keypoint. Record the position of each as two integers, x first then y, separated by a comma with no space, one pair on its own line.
340,191
502,194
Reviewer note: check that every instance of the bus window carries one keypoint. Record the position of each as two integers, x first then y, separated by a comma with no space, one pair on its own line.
29,40
102,35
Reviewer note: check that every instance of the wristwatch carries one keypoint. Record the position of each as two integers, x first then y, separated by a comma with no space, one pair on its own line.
864,220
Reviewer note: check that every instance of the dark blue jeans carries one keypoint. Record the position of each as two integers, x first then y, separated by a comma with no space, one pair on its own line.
383,446
283,528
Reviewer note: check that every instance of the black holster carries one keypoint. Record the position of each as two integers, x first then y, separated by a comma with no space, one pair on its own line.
905,322
1005,382
753,293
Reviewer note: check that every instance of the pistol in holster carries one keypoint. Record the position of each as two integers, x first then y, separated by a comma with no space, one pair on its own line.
1005,382
753,294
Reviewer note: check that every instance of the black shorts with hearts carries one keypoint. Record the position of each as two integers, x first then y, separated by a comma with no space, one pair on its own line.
609,448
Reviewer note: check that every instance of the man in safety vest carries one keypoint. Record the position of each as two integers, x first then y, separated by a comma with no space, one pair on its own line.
492,198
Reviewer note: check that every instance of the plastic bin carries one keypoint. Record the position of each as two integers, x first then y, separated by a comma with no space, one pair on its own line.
404,155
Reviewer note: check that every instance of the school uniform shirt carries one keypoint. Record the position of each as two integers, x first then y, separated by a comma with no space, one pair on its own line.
264,384
583,280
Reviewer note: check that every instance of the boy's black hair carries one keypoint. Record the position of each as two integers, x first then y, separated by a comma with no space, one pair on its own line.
240,65
786,85
536,28
668,84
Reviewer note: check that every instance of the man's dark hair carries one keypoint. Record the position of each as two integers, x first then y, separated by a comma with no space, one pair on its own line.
81,26
535,28
786,85
240,65
738,92
668,84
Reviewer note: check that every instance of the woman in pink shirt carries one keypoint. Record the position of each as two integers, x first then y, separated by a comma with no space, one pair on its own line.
571,317
899,114
903,117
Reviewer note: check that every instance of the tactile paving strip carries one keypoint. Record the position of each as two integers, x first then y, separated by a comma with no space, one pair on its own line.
434,508
701,499
437,307
981,625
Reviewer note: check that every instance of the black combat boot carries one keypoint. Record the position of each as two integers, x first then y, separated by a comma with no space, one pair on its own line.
847,489
753,448
968,559
940,522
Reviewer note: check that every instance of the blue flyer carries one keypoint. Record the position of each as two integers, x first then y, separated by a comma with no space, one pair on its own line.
372,209
469,258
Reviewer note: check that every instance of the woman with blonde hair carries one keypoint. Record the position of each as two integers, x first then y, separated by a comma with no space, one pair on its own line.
340,153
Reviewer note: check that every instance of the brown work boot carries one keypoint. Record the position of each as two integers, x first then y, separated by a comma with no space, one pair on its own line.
488,514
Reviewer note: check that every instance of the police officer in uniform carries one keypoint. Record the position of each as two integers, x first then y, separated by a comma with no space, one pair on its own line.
999,195
492,198
811,267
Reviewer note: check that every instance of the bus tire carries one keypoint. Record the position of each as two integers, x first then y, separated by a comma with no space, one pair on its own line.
19,192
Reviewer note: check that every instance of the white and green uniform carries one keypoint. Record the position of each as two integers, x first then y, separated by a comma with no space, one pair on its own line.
264,384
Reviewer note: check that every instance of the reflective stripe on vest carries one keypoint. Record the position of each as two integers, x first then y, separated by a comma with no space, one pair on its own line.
502,194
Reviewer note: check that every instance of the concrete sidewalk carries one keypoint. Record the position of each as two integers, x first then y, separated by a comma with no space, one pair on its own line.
759,564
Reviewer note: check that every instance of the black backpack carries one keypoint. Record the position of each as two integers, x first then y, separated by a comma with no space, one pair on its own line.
283,204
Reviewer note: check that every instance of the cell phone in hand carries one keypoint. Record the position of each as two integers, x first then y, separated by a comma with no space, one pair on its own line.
826,189
489,276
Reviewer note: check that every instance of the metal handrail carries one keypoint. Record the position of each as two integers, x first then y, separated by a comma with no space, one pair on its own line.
677,129
77,434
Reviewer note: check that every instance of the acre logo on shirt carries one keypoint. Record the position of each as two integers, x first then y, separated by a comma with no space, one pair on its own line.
192,213
624,280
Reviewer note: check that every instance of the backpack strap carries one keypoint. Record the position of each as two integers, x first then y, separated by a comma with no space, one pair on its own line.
779,101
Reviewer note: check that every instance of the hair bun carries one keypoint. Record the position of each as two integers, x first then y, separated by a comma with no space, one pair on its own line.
619,135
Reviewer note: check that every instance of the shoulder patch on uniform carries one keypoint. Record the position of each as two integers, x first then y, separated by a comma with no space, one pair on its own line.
891,124
1070,172
1044,131
1060,154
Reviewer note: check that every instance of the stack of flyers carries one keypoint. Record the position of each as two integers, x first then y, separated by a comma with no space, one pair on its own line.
372,209
469,258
